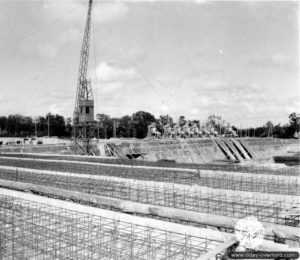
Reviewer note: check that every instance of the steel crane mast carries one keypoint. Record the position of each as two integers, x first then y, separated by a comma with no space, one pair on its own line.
84,90
84,124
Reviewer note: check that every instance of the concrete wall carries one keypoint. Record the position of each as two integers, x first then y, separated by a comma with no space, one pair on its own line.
200,150
195,150
266,148
181,150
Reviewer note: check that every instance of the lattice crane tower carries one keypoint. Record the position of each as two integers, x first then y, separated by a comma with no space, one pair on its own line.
84,124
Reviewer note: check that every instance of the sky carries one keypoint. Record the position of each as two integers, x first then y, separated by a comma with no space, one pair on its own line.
238,59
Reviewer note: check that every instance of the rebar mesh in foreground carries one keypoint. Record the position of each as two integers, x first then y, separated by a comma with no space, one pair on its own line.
266,209
31,230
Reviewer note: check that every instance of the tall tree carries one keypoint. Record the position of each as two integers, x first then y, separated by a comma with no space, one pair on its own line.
3,126
141,120
125,127
42,126
14,123
59,126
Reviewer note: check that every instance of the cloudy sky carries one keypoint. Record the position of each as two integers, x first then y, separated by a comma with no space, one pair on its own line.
193,58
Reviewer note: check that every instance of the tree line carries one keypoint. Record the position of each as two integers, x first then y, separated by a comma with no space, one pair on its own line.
134,126
22,126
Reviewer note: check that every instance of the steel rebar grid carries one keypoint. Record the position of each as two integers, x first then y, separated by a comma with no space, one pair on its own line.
215,179
31,230
257,168
265,209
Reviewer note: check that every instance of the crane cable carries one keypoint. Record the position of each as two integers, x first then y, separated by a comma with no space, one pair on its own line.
135,65
96,99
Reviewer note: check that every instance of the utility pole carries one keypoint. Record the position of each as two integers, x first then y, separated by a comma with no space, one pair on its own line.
99,124
35,120
114,129
48,125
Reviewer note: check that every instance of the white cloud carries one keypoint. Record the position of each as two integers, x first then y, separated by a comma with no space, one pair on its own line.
73,11
49,47
106,12
250,107
66,11
1,97
202,1
46,51
277,60
108,73
205,101
54,109
216,85
110,87
61,108
73,15
195,111
164,108
280,58
250,103
292,107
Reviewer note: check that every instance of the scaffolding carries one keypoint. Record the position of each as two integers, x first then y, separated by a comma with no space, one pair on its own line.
265,208
33,230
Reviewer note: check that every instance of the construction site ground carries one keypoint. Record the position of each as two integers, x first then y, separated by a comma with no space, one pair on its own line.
55,206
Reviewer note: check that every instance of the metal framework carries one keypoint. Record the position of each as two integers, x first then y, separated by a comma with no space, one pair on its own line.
84,133
266,208
83,118
251,168
84,91
33,230
265,183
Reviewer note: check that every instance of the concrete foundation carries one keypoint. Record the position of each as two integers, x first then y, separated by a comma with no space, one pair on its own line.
204,150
